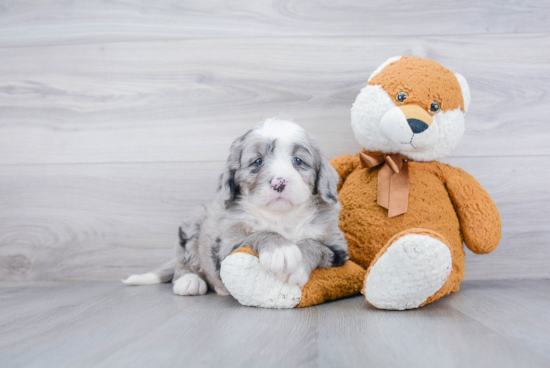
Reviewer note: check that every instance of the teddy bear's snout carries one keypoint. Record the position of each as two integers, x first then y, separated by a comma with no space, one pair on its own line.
417,118
410,128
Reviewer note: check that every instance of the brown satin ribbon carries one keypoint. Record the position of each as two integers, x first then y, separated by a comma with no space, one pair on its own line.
393,181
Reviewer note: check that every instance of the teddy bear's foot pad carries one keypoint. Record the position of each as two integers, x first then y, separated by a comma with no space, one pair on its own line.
249,283
413,268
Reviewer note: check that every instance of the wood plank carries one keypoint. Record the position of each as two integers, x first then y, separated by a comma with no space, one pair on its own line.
63,221
523,304
44,306
57,22
102,222
437,335
186,100
497,323
87,327
237,337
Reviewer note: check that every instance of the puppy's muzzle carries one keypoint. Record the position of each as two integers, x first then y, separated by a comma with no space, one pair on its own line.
278,184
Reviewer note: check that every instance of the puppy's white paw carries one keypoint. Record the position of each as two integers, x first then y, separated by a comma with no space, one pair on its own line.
281,260
299,277
190,284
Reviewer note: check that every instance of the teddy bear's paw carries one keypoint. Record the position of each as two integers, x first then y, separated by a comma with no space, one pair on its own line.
411,270
249,283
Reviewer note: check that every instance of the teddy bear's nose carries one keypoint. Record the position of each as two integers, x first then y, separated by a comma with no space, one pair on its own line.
417,126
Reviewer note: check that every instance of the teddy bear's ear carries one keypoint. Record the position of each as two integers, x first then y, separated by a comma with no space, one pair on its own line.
465,90
385,64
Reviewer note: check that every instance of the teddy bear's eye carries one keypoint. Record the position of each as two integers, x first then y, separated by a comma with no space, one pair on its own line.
434,108
401,97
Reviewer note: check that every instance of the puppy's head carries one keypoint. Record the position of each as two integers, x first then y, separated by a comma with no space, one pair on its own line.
277,166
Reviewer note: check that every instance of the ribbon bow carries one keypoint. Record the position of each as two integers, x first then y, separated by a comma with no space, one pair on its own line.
393,181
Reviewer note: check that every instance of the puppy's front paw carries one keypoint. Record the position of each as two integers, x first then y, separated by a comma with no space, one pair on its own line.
281,260
190,284
300,276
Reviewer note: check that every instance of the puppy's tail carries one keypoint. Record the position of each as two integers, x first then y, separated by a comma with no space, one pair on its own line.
164,273
186,250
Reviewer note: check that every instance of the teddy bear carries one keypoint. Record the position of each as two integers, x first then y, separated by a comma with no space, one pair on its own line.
404,214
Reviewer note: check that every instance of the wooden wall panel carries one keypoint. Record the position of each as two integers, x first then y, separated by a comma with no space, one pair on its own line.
52,22
116,116
92,221
186,100
103,221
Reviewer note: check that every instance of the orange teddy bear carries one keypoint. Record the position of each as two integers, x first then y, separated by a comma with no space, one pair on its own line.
405,216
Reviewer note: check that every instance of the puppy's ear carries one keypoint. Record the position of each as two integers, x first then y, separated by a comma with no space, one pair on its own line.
228,188
326,182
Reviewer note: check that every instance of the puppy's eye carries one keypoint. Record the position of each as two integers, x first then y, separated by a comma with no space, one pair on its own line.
434,108
297,161
258,162
401,97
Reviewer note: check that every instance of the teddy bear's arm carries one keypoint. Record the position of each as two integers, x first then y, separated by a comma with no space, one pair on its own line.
479,218
344,166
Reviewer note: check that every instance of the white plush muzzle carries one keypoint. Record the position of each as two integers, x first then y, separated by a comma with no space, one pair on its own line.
379,125
395,128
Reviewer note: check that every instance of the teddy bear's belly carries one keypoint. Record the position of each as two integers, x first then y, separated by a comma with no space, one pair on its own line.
366,224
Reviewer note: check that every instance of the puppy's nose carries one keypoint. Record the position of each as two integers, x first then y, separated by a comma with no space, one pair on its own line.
278,184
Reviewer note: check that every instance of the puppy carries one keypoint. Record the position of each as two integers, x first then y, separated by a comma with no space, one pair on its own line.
277,195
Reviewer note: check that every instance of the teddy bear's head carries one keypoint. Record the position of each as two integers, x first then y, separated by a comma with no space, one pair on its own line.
411,106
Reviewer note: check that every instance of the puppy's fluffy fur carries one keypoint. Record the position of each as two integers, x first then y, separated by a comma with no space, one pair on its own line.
276,195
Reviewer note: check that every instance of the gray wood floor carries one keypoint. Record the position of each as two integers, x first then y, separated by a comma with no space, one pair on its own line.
107,324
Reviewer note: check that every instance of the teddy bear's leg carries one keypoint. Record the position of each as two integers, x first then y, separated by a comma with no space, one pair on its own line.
411,270
251,285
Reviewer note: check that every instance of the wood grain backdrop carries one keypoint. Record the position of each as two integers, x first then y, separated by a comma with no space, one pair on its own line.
116,116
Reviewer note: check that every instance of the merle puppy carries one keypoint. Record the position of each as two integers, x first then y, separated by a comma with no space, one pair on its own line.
277,195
